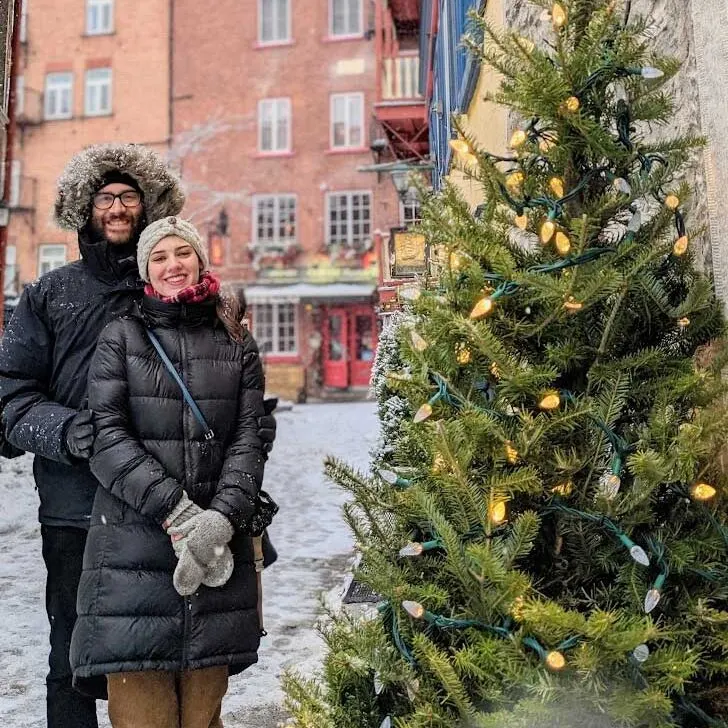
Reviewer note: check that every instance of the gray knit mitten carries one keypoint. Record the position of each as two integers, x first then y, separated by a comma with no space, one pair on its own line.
182,514
206,558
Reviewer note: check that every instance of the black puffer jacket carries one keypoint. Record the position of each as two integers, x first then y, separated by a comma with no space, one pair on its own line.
149,447
45,354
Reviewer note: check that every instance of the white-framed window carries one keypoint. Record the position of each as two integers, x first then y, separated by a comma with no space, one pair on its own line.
346,17
274,21
23,32
99,17
347,121
274,220
16,171
274,125
58,96
50,257
19,95
410,212
349,218
274,328
98,92
10,284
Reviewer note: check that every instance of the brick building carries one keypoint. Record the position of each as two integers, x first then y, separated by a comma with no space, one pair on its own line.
86,74
272,113
265,107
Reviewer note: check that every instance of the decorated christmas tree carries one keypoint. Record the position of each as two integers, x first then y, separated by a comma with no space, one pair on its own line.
547,533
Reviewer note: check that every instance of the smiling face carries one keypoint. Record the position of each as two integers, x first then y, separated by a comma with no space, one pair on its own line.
118,224
173,265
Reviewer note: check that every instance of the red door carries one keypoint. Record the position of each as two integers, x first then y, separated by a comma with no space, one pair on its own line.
336,349
363,344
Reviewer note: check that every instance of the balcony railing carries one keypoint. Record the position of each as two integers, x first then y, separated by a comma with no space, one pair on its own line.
401,78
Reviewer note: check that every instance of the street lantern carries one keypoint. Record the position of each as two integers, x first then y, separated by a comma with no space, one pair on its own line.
401,181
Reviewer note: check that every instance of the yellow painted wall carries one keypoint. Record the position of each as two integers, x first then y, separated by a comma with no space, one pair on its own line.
486,121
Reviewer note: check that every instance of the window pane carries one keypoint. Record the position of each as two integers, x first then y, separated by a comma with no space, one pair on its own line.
355,120
354,17
282,20
266,22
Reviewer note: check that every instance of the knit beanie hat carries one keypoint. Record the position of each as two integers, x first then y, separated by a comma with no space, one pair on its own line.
116,175
153,233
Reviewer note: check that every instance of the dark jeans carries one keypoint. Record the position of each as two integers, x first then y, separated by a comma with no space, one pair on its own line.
63,555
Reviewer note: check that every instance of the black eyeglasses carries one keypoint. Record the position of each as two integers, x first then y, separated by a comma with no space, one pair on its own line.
105,200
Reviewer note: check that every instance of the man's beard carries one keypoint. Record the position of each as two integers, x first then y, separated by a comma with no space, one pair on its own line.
99,233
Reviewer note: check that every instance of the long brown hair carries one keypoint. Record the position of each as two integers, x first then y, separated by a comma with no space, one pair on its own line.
230,313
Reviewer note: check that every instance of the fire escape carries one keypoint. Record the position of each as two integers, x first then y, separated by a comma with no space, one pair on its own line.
400,108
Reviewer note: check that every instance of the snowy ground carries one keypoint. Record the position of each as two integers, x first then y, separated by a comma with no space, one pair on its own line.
314,550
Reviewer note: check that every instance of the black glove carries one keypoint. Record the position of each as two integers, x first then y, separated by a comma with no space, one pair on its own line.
80,435
267,424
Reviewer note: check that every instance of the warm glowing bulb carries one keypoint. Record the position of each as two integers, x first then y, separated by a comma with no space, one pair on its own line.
521,221
464,356
571,304
460,146
563,244
517,608
418,342
511,453
558,16
411,549
564,489
469,159
497,512
555,661
702,491
681,245
547,144
414,609
683,322
482,308
514,180
438,463
457,261
494,370
518,139
550,401
557,186
423,413
672,202
652,599
571,104
547,231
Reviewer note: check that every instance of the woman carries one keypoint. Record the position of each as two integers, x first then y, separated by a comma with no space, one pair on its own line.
167,632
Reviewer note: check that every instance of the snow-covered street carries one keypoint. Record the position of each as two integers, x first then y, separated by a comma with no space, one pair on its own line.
314,550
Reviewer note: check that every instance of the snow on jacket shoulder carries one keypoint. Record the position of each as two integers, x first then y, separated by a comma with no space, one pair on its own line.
149,446
45,354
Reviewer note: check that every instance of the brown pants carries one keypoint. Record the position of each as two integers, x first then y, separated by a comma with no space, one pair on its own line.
190,699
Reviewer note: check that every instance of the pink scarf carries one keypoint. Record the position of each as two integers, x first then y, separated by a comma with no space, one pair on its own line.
207,288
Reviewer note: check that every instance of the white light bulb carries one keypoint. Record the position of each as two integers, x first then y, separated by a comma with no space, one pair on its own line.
621,185
641,653
635,223
378,684
650,72
652,599
386,723
639,555
411,549
413,687
388,476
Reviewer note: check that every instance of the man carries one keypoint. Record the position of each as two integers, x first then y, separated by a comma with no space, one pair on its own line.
107,194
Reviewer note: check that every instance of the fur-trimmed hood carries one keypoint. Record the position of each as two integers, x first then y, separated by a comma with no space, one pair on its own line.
163,194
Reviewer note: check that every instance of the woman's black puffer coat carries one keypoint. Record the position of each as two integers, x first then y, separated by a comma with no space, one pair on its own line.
149,447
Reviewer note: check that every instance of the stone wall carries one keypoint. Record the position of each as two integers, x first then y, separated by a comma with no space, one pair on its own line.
693,32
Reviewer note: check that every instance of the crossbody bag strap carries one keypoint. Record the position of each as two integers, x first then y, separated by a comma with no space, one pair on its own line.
209,434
